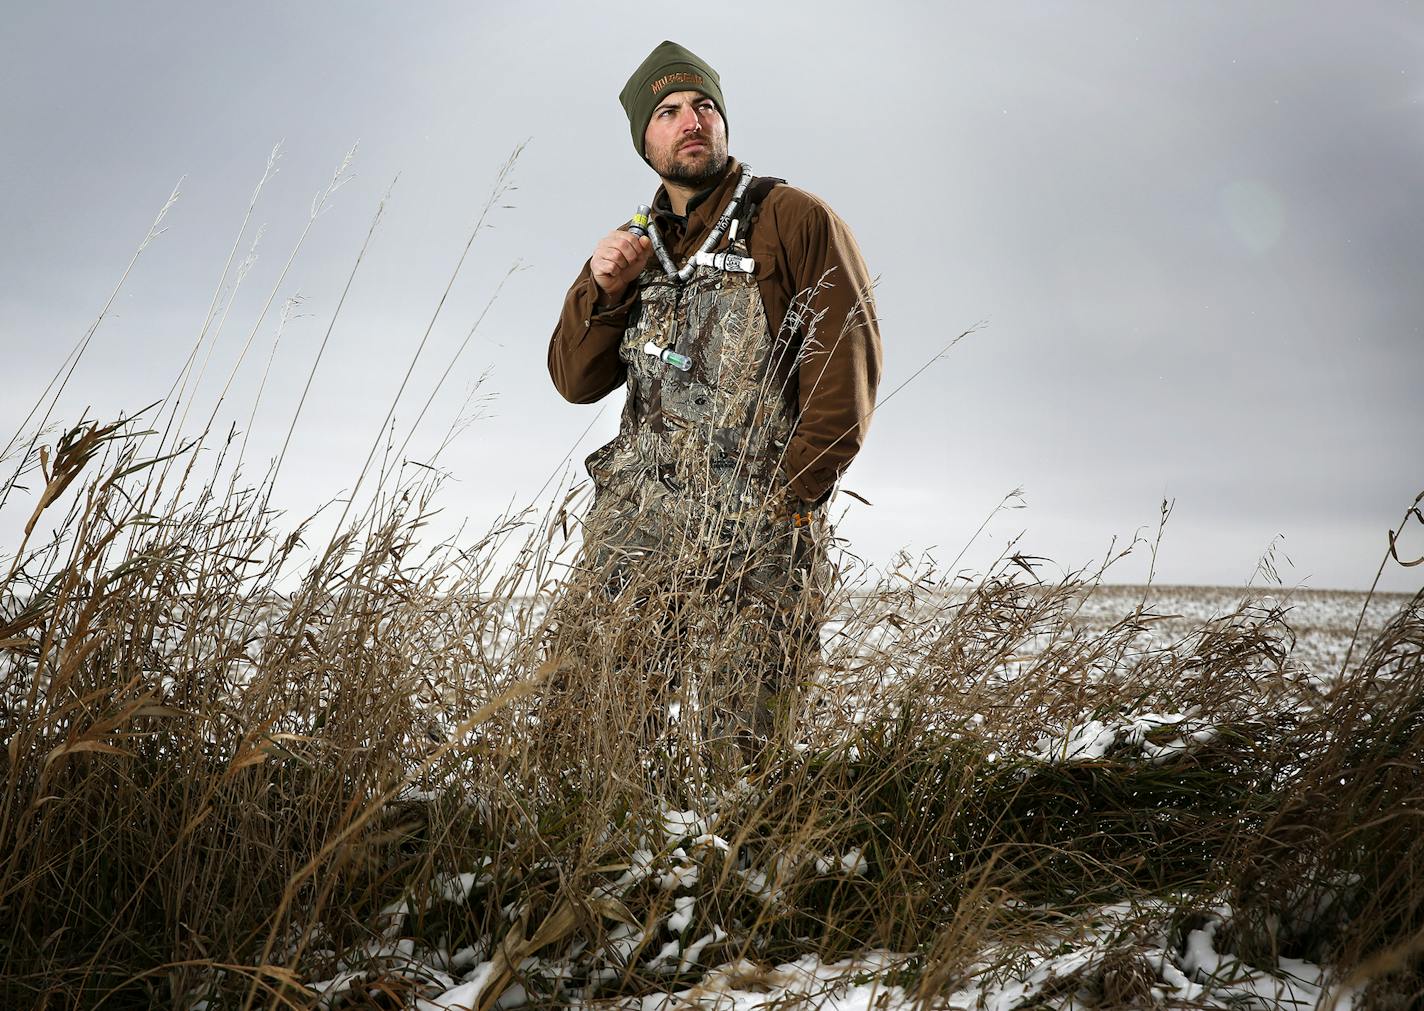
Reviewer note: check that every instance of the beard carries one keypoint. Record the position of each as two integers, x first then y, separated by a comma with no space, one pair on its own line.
694,170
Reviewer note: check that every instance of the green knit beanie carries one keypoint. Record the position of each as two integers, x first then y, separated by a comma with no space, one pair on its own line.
667,70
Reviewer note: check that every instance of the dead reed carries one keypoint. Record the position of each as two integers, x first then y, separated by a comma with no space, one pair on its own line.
218,788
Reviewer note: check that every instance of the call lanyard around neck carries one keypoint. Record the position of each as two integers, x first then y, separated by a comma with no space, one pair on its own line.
714,237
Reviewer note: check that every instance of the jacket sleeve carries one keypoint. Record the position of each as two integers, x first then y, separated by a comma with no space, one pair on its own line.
583,351
839,360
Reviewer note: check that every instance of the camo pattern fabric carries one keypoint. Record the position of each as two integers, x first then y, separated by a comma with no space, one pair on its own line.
691,492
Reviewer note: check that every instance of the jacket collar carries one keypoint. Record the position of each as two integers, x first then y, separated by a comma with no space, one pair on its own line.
703,210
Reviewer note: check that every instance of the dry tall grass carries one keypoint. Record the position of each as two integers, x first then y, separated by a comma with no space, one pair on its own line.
216,790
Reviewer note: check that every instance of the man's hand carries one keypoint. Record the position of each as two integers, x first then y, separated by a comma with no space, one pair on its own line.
617,260
792,511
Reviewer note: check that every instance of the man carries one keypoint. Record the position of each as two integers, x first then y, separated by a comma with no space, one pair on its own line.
743,329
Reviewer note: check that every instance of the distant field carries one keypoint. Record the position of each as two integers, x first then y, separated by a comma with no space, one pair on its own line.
1323,620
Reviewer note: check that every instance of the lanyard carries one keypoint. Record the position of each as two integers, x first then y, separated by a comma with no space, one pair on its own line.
714,237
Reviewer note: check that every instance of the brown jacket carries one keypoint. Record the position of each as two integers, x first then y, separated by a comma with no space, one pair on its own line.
801,248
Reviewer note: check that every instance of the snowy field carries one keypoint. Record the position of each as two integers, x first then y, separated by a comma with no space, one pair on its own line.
1117,957
1322,620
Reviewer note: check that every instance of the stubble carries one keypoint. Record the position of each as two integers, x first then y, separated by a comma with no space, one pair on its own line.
695,170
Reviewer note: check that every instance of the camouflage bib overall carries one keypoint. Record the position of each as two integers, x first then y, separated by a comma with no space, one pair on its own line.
691,497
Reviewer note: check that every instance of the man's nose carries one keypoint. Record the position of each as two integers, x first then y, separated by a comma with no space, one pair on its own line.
691,122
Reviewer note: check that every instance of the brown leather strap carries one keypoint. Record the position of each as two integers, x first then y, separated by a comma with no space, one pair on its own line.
757,191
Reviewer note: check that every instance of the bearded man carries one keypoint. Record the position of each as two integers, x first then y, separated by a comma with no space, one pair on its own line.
742,327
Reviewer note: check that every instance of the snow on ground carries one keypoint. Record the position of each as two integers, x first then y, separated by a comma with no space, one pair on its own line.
1140,954
1059,972
1094,738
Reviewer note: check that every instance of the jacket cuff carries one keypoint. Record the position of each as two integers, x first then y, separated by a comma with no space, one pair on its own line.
605,315
809,482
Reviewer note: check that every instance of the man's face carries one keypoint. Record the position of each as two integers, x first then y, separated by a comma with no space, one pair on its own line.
686,140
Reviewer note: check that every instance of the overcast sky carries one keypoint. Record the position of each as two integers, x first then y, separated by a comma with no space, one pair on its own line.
1193,233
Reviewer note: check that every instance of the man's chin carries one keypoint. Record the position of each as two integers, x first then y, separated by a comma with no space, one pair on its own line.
696,169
